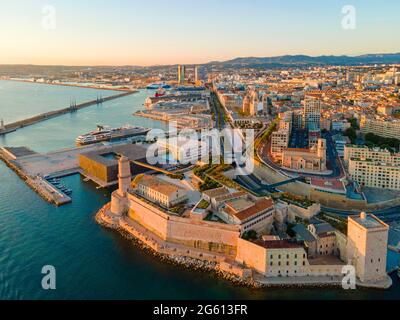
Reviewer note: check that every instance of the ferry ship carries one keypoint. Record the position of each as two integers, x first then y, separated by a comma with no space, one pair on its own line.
105,133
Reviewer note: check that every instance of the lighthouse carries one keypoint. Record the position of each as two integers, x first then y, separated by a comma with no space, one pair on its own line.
119,200
124,176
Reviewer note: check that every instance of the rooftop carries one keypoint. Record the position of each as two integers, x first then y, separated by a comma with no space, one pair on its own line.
256,208
332,184
303,233
213,193
239,204
158,185
109,155
368,221
278,244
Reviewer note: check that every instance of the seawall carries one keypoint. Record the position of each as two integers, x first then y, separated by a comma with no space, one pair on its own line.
52,114
186,257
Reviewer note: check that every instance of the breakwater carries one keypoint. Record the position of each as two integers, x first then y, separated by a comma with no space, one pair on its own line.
52,114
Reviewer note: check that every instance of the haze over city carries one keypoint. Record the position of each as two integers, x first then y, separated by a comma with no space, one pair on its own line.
127,32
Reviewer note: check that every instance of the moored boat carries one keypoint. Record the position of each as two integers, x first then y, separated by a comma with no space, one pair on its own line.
105,133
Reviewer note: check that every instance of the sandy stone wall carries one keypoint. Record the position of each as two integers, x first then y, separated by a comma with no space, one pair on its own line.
252,255
305,213
148,216
325,270
213,237
336,200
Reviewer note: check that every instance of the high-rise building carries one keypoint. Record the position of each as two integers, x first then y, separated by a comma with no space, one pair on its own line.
181,74
367,241
196,75
312,113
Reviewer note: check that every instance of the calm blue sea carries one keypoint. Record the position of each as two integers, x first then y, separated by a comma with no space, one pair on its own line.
92,262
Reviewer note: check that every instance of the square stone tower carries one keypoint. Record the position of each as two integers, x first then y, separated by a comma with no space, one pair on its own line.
367,246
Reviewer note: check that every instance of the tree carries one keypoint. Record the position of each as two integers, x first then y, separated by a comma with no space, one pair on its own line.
351,133
250,235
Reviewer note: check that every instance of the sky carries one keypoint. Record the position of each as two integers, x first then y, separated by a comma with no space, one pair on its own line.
152,32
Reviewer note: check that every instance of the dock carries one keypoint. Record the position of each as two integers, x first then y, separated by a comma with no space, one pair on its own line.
36,168
11,127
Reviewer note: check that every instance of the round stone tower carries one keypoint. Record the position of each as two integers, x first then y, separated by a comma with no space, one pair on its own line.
119,201
124,176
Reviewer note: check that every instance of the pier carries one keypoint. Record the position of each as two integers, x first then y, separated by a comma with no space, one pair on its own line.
36,168
11,127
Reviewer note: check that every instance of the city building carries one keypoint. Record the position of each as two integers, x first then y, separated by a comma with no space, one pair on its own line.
375,174
340,142
373,167
306,160
373,154
340,125
181,74
279,143
159,191
101,166
184,151
312,112
248,213
279,258
325,239
387,128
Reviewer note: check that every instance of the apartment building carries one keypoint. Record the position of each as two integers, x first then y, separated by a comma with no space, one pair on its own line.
279,143
374,154
312,112
375,173
380,127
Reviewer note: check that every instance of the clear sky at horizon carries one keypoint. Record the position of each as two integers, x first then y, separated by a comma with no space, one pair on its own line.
136,32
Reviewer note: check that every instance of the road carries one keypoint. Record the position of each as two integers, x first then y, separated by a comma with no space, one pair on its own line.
387,215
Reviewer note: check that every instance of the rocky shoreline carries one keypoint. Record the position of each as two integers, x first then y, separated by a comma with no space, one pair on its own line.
201,265
182,261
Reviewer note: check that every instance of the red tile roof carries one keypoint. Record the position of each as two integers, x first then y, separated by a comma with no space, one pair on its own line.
247,213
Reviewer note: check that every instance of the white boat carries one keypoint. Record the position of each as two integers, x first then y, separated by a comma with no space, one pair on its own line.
106,133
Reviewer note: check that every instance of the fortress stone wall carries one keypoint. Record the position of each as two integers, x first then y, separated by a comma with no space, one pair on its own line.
209,236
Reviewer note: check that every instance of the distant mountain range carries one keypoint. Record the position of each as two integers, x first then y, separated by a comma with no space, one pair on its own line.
249,62
304,60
